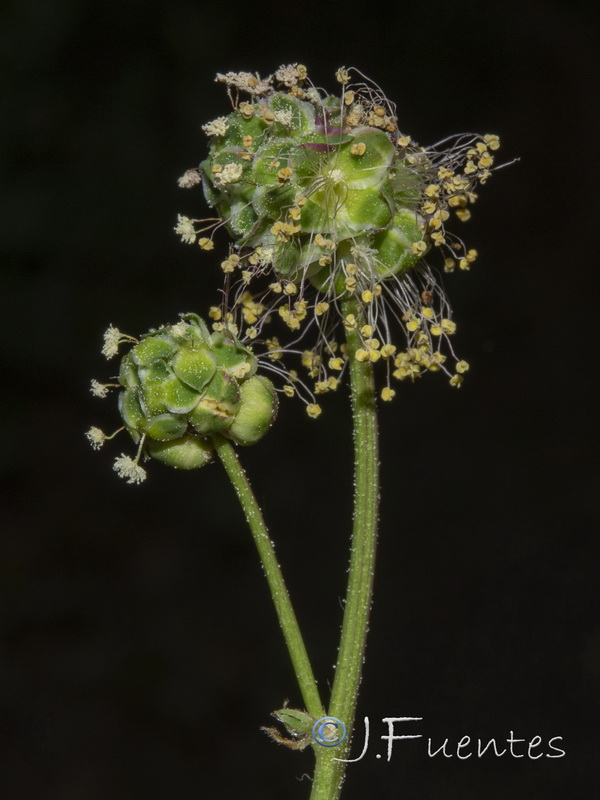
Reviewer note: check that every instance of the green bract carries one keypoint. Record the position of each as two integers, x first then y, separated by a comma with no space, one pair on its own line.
295,178
182,385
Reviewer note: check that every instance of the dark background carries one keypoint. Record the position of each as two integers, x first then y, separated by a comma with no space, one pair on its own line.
140,652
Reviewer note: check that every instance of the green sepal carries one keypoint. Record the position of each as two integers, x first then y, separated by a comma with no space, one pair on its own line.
394,246
272,199
165,427
194,367
256,413
229,356
197,329
152,348
127,372
271,158
131,410
238,127
152,379
178,397
218,406
370,169
303,114
188,452
242,220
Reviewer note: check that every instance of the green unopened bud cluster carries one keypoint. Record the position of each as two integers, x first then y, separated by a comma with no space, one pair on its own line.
294,176
184,385
181,387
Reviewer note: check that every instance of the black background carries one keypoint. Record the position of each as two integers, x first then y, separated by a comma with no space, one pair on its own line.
140,652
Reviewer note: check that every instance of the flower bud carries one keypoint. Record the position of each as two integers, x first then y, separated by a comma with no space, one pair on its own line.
182,385
313,169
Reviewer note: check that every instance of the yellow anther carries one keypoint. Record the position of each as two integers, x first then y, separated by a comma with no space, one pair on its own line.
206,244
362,355
333,383
366,330
438,238
284,174
449,265
404,141
428,207
313,410
419,248
436,330
276,287
215,313
377,289
367,296
288,390
462,366
388,350
448,326
350,321
358,149
349,98
464,264
324,261
290,288
492,141
266,114
246,110
351,269
432,190
295,213
387,394
321,387
470,168
336,363
251,332
463,214
321,308
247,141
456,380
413,325
374,355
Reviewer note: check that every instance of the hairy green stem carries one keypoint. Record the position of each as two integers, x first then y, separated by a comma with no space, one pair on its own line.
279,592
329,773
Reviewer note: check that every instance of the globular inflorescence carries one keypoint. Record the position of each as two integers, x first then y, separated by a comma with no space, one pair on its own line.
181,386
332,211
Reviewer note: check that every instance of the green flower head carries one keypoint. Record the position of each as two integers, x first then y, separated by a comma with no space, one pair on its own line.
182,385
326,199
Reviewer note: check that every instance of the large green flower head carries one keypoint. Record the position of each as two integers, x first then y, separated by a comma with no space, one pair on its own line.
181,386
328,198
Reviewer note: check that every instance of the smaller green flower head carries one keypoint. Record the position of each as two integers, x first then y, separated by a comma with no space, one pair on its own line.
182,385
